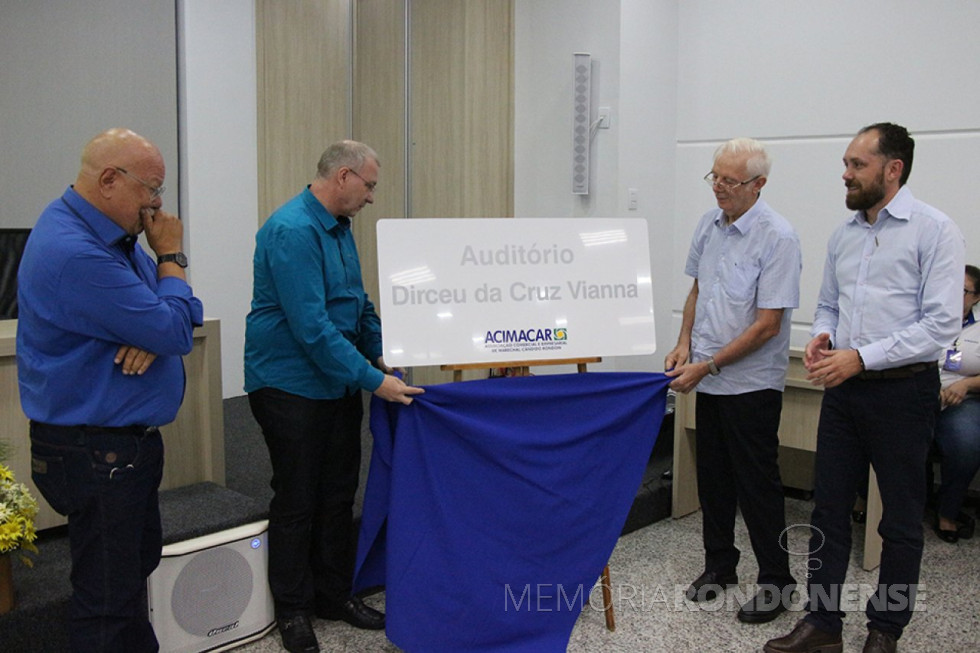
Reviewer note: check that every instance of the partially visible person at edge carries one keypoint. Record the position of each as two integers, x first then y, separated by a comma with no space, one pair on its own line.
312,344
889,306
958,425
101,331
733,347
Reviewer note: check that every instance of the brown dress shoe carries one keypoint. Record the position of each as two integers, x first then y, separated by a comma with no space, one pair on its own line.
879,642
806,638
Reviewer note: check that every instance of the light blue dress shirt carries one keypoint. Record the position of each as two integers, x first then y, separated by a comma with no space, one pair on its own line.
892,290
753,263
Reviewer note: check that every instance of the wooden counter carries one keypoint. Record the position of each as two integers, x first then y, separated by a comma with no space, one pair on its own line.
797,440
195,449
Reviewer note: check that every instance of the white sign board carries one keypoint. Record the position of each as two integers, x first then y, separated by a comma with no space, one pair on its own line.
488,290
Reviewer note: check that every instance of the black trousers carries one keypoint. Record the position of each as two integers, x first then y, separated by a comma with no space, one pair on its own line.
315,449
889,424
737,450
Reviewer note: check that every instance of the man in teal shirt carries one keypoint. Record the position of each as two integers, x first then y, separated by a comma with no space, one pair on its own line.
312,343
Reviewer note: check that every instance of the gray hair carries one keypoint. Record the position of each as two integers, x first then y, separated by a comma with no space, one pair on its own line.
758,162
344,154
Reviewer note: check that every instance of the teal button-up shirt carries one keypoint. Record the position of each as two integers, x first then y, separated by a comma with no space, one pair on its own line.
312,330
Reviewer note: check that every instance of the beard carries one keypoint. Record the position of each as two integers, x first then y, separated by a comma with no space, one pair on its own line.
866,197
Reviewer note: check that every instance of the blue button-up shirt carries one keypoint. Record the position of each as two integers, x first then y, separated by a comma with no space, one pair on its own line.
312,329
84,290
892,290
753,263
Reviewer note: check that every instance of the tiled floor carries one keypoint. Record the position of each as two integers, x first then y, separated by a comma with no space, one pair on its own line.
652,566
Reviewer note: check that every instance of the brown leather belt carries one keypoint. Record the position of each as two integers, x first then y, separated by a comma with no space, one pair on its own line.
903,372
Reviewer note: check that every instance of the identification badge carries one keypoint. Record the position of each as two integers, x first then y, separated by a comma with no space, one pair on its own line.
954,359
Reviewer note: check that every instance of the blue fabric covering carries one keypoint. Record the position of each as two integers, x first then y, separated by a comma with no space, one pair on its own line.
502,500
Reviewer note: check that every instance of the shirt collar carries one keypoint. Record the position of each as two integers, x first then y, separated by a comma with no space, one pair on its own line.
969,319
326,219
98,223
746,220
900,207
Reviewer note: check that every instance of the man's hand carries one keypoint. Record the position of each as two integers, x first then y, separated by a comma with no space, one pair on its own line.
835,366
816,349
133,360
687,376
164,231
677,356
394,389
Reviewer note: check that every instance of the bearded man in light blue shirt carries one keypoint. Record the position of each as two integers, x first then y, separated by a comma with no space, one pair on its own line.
734,348
889,306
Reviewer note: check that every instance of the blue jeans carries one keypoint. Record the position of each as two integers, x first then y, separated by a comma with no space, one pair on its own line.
315,449
958,439
889,424
105,481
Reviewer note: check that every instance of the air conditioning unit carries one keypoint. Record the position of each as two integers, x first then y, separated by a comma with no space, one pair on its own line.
211,593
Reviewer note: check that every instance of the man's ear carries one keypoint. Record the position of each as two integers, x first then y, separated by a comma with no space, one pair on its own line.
108,179
894,169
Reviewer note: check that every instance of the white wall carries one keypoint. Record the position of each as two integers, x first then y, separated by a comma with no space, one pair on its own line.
219,165
633,45
70,71
647,128
543,105
803,77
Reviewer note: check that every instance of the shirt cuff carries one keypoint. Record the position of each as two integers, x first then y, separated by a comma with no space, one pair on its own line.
873,356
372,379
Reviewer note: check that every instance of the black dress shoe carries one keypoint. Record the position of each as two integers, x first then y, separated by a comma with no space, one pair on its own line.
297,634
767,604
967,526
805,638
709,585
879,642
356,613
946,536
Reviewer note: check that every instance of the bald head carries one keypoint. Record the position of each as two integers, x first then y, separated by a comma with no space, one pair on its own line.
116,147
119,168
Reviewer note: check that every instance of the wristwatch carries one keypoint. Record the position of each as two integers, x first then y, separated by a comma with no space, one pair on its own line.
178,257
713,368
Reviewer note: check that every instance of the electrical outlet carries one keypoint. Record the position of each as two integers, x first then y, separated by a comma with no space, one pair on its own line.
605,117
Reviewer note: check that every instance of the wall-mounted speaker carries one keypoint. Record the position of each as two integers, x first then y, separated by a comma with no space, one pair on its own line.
211,593
581,122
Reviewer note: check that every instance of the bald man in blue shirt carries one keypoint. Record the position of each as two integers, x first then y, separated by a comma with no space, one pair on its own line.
101,331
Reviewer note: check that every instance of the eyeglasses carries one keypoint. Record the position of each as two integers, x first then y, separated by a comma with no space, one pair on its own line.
370,184
155,191
726,184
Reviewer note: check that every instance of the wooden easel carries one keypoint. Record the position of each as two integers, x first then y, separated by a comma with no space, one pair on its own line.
523,369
